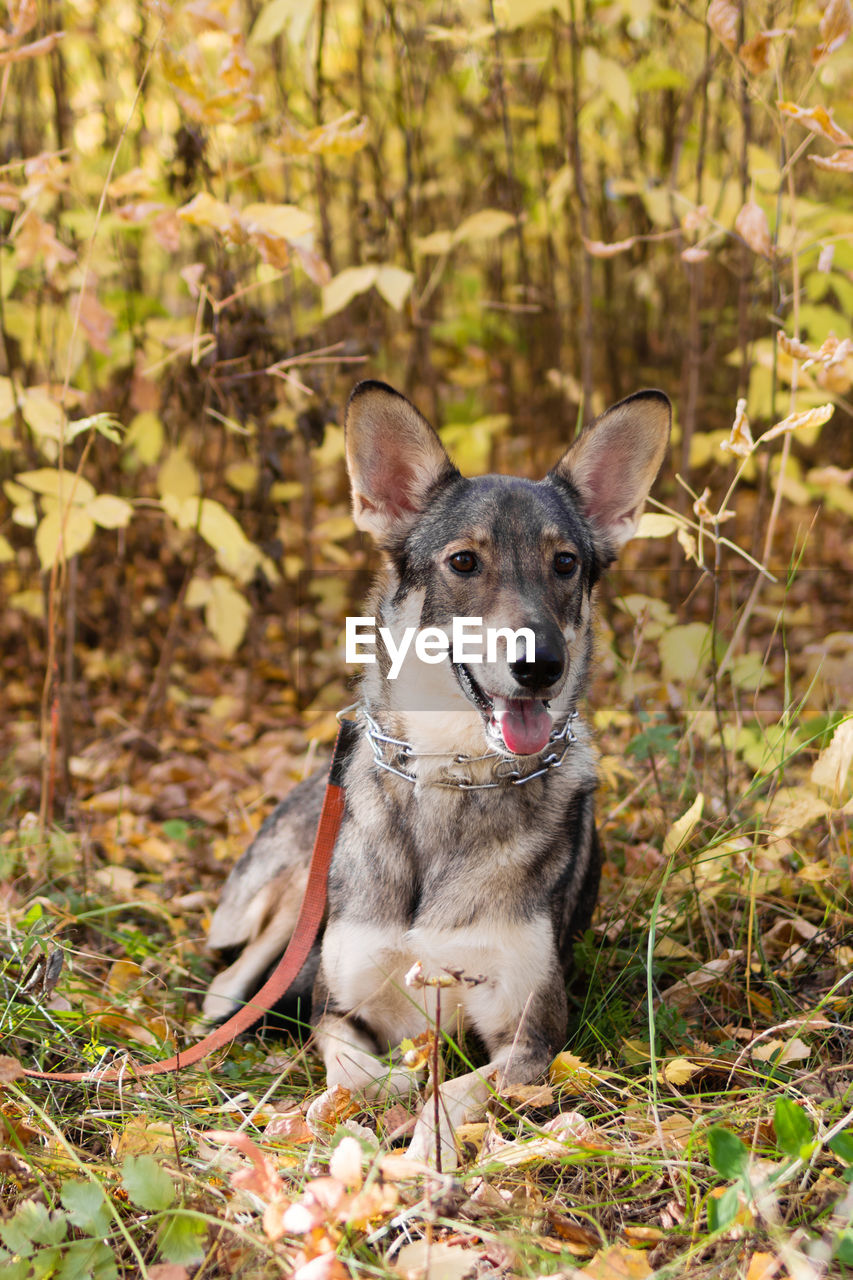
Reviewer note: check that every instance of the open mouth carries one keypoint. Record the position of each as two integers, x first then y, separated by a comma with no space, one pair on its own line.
521,725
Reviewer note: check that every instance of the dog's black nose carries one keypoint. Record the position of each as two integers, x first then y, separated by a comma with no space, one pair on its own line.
544,671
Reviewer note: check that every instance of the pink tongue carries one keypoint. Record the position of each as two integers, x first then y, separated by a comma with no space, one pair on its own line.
525,724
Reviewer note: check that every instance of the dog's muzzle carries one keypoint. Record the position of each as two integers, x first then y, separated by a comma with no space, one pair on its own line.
521,726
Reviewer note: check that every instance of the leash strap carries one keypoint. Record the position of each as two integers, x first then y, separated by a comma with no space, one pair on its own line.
310,917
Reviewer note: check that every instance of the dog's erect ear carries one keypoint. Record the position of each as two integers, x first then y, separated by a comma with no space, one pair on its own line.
614,462
394,459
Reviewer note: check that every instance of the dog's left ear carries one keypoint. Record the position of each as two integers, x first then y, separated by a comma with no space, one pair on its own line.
394,459
613,464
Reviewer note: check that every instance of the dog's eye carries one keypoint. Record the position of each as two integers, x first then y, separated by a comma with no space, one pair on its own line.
463,562
565,563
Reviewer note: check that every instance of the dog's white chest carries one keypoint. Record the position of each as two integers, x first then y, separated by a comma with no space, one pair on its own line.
498,967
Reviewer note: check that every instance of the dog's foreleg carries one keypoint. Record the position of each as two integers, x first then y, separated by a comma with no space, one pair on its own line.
520,1059
351,1060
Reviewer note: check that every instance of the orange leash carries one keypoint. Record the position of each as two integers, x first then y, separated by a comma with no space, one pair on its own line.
310,918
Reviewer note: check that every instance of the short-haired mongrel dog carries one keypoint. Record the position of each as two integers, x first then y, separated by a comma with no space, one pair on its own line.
469,840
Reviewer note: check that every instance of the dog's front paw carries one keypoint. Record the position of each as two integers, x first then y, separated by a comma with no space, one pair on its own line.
425,1146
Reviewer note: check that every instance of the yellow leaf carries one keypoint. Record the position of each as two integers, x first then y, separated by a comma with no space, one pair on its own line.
51,482
487,224
295,15
242,476
204,211
139,1137
278,221
339,137
609,76
685,651
145,435
654,524
110,512
793,808
436,243
74,536
42,414
518,13
763,1266
618,1262
794,1050
136,182
177,476
227,614
346,285
6,550
817,120
677,1071
395,285
237,555
198,593
29,602
574,1074
832,766
810,418
683,827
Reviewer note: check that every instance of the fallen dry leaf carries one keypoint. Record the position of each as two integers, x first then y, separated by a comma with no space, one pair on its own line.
618,1262
10,1069
428,1260
290,1126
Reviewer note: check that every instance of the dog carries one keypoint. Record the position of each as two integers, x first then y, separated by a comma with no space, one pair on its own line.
468,845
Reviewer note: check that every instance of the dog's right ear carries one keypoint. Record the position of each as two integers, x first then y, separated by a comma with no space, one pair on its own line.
394,459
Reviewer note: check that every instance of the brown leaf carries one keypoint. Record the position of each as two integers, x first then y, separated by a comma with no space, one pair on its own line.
326,1266
740,442
838,162
325,1112
528,1095
36,240
598,249
723,21
751,224
585,1242
10,1069
835,26
289,1125
167,1271
34,50
97,322
262,1177
755,54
